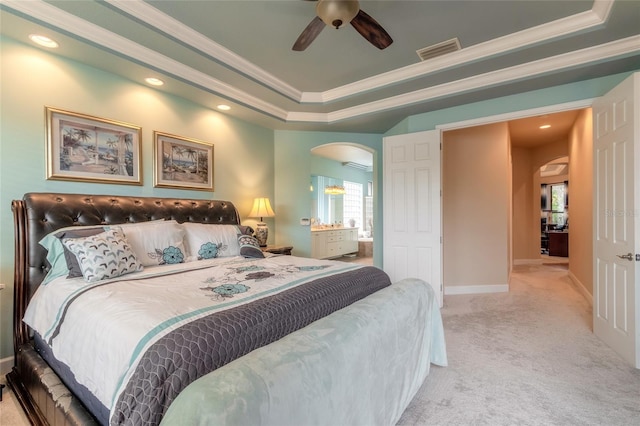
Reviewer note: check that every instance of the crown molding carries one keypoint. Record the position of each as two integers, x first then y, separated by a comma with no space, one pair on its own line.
536,35
178,31
69,23
619,48
65,21
499,46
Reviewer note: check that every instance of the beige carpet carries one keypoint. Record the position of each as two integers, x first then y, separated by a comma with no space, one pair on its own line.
527,357
10,412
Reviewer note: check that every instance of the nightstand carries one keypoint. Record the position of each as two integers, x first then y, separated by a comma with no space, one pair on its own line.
277,249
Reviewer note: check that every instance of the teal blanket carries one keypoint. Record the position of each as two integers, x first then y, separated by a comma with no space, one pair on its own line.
361,365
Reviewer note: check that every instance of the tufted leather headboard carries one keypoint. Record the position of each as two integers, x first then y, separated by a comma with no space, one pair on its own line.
38,214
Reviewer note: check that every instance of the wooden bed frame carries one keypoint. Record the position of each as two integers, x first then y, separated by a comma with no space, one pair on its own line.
42,394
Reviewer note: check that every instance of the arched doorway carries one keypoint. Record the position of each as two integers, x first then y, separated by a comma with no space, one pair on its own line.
342,186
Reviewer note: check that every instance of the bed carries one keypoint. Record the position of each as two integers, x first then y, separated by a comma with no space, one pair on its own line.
290,340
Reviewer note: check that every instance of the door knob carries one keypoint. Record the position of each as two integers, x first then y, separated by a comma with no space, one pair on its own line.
628,256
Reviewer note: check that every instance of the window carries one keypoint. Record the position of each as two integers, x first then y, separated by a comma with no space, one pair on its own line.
558,204
352,204
555,200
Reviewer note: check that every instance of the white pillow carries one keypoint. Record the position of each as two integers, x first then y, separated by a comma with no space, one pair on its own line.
206,241
102,256
157,242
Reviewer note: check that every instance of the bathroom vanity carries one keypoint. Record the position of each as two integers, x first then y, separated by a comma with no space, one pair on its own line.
333,242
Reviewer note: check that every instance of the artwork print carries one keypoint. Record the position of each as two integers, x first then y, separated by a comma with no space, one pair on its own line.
183,162
91,149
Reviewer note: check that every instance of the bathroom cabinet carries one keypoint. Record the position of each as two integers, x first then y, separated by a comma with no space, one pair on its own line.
333,242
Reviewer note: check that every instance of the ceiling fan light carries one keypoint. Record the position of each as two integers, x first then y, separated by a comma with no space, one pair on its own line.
337,13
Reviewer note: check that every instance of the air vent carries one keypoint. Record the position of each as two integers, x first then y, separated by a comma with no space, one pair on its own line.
358,166
439,49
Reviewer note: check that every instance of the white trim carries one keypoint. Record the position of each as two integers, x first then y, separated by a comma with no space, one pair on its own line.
581,288
114,42
559,28
55,17
536,35
620,48
6,364
176,29
514,115
452,290
527,261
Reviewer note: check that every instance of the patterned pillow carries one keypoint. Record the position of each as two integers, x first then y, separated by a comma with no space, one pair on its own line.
207,241
249,246
56,251
69,257
156,242
102,256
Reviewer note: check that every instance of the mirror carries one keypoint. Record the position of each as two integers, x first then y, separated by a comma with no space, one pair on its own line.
326,209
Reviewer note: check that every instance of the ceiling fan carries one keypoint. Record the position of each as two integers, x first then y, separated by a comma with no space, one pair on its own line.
337,13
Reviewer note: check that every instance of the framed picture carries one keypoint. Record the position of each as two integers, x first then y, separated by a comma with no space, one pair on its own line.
182,162
91,149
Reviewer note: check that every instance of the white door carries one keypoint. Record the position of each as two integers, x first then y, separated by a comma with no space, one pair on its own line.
412,208
616,169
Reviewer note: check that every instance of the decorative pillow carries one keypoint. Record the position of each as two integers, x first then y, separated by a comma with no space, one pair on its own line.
249,246
56,252
102,256
157,242
206,241
69,257
245,230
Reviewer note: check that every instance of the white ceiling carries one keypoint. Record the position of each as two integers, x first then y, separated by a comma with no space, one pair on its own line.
239,52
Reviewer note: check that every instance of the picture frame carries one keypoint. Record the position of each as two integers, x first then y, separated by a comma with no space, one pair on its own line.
181,162
85,148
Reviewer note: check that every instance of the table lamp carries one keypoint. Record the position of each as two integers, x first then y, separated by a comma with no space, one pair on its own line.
261,208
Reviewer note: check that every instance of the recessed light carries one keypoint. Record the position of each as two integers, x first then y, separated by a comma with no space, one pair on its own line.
545,126
154,81
43,41
223,107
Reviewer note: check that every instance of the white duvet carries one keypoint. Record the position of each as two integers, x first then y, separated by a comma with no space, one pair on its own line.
100,330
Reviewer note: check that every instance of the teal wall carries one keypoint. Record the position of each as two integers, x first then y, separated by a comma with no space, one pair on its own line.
295,165
32,79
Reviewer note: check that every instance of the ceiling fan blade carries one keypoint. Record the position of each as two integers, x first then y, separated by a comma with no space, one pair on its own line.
371,30
309,34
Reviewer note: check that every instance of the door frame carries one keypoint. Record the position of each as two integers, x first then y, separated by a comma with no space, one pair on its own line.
525,113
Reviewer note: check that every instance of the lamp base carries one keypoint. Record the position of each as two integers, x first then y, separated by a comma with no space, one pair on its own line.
261,233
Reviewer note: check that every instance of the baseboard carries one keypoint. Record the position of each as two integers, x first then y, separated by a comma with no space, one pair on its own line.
527,261
475,289
581,288
6,364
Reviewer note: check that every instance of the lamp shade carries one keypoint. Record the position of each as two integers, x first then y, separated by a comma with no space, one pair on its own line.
261,208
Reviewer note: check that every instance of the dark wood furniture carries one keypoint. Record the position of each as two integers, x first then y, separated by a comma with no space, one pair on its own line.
44,397
558,244
277,249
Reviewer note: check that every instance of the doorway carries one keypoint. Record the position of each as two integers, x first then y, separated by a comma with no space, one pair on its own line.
343,197
508,210
554,209
540,152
